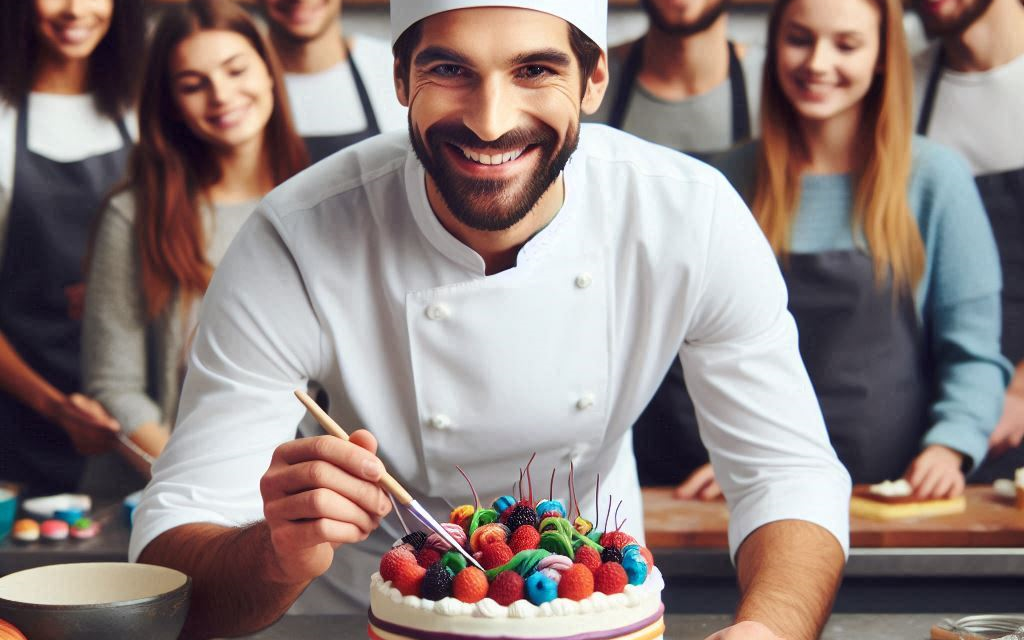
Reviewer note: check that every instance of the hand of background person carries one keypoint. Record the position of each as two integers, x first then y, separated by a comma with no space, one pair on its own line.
75,294
318,494
87,423
746,630
701,485
936,473
1009,431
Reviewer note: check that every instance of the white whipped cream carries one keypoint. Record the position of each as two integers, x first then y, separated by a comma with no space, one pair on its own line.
892,489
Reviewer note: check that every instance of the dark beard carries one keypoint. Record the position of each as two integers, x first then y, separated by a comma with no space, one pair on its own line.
939,28
491,205
703,22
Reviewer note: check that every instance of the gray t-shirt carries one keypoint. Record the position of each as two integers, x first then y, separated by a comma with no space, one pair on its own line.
701,123
977,113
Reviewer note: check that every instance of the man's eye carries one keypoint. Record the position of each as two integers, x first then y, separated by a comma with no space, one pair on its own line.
447,70
534,71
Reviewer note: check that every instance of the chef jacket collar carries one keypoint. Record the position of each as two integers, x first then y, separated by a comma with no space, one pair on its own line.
531,253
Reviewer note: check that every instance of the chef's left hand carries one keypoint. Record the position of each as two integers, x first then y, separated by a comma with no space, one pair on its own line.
936,473
746,630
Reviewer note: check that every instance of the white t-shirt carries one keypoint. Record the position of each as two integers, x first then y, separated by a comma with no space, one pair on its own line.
344,275
65,128
327,103
976,113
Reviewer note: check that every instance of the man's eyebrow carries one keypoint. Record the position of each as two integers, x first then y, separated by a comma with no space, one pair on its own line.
553,57
436,53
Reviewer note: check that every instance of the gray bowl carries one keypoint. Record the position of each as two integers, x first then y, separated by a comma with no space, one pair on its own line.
96,600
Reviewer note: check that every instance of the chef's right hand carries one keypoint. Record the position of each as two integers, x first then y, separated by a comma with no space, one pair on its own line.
701,485
318,494
87,423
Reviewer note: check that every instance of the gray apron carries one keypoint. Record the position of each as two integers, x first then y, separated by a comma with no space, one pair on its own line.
660,424
53,205
1003,196
319,147
865,357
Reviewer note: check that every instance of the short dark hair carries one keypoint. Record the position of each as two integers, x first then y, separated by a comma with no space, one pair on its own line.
113,66
587,52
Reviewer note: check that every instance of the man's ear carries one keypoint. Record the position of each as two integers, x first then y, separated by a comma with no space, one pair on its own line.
401,88
597,84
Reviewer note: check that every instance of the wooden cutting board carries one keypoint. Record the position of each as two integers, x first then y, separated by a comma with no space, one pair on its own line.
989,521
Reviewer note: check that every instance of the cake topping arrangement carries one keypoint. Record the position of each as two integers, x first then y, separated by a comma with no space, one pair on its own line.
529,549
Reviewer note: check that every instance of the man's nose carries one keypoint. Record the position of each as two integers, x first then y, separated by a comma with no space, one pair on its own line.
491,110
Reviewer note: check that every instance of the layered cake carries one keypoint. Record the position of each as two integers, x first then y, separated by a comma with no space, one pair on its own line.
546,576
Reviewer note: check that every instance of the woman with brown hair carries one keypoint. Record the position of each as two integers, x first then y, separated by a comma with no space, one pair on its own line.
215,135
891,266
67,85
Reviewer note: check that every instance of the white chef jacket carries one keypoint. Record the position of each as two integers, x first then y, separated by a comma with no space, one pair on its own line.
345,276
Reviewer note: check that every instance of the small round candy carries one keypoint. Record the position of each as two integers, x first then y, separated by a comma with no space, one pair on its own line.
540,588
54,530
25,530
84,528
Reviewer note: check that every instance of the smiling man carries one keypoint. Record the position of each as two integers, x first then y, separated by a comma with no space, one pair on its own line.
499,282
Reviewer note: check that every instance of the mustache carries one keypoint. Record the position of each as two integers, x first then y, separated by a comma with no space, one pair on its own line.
460,135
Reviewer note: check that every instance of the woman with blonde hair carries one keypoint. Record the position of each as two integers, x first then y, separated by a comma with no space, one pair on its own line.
890,262
215,135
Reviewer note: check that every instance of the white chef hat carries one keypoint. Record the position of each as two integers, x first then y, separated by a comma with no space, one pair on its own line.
589,16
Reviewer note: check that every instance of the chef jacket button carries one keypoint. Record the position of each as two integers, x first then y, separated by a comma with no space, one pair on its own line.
584,280
585,402
440,421
438,311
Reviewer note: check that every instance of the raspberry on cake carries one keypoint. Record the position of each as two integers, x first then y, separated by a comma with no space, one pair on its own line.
547,577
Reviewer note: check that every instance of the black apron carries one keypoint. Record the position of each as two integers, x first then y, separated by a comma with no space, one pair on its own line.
865,357
1003,196
319,147
667,447
627,80
53,205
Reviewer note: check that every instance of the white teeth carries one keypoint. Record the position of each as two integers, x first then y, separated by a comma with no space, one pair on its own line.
497,158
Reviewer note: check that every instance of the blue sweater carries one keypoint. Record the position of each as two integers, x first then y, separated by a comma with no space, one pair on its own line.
957,299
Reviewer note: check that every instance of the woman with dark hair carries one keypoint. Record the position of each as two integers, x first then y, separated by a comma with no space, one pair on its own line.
215,135
891,266
67,78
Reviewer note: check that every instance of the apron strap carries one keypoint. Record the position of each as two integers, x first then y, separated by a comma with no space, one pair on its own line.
740,109
364,97
627,80
930,91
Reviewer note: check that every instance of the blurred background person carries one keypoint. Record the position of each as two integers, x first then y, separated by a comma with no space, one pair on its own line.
892,270
685,85
340,87
67,79
215,136
970,94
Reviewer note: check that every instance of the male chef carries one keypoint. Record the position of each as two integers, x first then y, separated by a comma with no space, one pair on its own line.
501,281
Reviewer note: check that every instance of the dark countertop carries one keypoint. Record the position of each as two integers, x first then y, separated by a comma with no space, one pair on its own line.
678,627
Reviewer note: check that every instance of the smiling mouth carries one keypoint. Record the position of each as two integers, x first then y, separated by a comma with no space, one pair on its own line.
491,159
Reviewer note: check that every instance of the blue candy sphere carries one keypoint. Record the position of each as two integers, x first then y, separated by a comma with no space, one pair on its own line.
551,505
502,503
540,588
